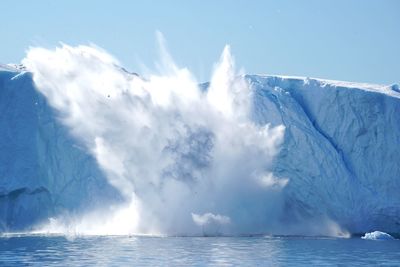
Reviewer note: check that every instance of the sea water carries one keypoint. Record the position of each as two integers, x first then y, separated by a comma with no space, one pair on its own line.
39,250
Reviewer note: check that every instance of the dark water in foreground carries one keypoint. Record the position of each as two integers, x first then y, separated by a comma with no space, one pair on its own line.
195,251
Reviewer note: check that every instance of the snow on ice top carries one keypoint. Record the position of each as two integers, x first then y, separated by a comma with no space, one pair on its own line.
392,90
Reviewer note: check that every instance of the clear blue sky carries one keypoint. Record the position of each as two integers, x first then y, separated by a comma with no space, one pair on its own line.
355,40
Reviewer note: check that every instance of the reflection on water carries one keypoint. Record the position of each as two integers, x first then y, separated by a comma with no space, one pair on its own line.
198,251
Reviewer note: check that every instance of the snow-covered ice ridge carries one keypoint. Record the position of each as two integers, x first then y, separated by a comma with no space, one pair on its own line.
340,153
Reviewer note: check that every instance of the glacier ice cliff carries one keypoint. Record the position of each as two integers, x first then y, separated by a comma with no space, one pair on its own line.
340,154
43,171
341,148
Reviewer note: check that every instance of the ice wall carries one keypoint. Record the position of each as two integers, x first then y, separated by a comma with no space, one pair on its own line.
341,149
340,154
43,171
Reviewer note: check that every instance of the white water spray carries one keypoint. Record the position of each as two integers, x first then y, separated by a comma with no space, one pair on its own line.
187,160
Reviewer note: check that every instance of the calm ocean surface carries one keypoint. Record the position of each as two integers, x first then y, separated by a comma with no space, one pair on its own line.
195,251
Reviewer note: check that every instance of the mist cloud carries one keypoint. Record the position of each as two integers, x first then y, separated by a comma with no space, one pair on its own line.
182,156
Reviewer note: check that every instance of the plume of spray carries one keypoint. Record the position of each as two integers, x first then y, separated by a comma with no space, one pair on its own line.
187,160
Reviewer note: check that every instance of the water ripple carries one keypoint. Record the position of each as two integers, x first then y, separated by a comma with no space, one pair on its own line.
195,251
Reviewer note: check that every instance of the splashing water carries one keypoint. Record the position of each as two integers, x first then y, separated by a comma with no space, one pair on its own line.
187,160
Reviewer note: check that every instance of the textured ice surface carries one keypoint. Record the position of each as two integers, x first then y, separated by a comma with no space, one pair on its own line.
340,151
340,154
43,171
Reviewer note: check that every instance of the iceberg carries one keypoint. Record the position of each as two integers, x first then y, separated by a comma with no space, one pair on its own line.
338,158
377,235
